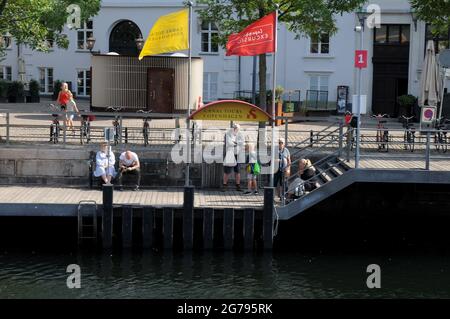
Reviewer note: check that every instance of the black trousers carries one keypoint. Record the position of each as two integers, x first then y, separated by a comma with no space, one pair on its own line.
136,172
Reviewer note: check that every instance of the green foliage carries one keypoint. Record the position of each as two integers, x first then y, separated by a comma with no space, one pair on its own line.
15,89
34,88
32,22
278,93
406,100
434,12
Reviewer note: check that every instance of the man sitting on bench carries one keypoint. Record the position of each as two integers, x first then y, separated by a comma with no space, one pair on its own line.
129,164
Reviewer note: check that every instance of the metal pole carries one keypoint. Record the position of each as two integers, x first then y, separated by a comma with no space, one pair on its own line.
188,124
358,125
274,82
427,153
254,81
341,137
120,130
7,128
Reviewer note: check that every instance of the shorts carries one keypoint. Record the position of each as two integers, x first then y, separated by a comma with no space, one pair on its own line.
229,169
69,117
251,177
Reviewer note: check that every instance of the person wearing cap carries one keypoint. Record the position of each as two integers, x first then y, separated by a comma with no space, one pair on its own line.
104,164
283,168
234,143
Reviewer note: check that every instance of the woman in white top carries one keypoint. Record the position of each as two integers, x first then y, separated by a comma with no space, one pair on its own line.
104,164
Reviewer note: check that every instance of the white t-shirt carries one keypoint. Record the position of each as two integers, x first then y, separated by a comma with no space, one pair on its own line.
128,162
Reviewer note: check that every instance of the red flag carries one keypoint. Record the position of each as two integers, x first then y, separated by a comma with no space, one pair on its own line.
257,38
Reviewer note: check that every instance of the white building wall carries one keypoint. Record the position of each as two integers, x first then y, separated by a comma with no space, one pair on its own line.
294,62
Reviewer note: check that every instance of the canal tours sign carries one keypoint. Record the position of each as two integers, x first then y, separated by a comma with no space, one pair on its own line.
231,110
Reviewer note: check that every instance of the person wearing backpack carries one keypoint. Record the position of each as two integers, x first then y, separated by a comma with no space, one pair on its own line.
253,170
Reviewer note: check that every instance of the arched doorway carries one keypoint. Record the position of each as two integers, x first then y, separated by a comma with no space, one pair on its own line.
123,38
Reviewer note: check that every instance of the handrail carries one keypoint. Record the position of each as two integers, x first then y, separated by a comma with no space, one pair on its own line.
316,142
309,138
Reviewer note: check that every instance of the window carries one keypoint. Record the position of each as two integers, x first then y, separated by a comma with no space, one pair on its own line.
6,73
392,34
83,34
441,41
122,39
83,82
320,44
210,84
209,36
46,80
318,89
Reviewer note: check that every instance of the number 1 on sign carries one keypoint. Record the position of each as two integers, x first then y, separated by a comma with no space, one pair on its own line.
361,59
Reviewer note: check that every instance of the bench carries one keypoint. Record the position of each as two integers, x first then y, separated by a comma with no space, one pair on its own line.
151,169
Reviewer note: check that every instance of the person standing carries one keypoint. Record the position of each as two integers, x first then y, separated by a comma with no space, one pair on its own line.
253,169
234,142
65,100
283,167
129,164
104,164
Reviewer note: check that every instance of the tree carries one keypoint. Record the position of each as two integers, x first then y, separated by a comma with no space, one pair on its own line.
434,12
33,22
310,17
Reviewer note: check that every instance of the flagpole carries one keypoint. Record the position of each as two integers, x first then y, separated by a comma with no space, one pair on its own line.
188,136
274,81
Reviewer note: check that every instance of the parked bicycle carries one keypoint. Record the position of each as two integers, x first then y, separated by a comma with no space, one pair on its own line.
382,132
85,128
116,123
440,137
145,127
55,127
409,136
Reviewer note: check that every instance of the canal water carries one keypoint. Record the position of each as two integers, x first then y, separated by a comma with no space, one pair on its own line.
222,275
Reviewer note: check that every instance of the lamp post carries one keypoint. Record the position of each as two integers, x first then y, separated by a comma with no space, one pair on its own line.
359,29
139,43
90,42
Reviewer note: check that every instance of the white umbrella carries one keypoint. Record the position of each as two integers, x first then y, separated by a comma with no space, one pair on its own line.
430,82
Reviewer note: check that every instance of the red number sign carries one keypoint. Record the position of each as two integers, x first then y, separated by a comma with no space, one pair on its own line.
361,59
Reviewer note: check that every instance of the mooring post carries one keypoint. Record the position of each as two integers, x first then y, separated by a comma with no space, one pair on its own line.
268,217
208,228
107,218
249,222
427,152
188,217
147,226
168,227
127,226
228,228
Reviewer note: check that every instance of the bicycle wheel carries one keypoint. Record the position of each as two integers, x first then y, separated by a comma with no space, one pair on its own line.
411,141
406,140
436,141
145,137
81,135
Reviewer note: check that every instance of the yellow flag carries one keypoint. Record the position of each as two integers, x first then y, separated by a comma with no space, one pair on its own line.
170,33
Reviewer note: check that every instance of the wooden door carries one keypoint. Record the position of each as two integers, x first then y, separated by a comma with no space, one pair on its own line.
160,90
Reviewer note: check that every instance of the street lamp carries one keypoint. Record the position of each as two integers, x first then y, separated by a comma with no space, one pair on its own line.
139,43
90,42
414,18
359,29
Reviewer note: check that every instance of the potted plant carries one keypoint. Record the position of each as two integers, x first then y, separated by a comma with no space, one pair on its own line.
15,92
3,91
405,103
34,92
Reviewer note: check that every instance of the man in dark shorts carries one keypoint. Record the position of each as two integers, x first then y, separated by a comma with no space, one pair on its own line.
284,167
233,146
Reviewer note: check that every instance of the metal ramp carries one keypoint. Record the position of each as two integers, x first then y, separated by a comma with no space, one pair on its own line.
87,221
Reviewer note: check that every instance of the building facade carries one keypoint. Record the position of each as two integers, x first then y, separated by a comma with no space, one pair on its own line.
311,68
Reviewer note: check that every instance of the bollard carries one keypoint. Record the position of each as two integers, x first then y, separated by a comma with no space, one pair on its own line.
268,217
107,218
188,217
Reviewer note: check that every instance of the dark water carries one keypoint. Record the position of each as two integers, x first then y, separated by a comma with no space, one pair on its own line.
222,275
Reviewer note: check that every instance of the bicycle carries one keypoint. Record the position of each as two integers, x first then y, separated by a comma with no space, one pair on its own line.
382,133
145,127
409,136
440,137
116,123
85,129
55,127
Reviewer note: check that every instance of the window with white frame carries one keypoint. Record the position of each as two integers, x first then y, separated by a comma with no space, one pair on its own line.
320,44
85,32
209,36
83,82
210,85
318,89
46,80
5,72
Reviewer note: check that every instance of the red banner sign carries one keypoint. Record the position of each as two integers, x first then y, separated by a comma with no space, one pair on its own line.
257,38
361,59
